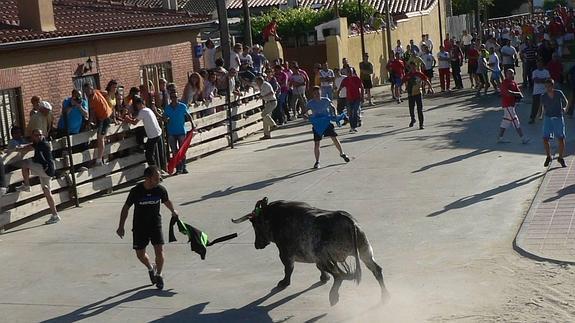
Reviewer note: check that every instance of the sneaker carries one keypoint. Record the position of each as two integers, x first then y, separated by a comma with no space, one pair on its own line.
152,274
99,162
355,130
53,219
23,188
185,171
411,123
547,161
352,130
420,127
3,191
265,138
525,140
159,282
345,157
316,165
561,161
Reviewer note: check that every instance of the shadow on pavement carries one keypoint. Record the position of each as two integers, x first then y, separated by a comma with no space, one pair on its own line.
453,160
102,306
487,195
253,186
252,312
562,192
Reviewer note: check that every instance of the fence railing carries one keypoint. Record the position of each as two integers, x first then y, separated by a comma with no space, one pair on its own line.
216,131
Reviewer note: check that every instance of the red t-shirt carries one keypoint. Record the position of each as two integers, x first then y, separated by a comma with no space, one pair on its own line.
555,69
269,30
447,44
473,55
353,87
397,67
507,99
556,28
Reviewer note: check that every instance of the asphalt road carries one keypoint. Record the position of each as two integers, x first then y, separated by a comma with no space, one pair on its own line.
441,207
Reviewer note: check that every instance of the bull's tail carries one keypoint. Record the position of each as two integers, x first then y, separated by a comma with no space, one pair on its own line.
357,275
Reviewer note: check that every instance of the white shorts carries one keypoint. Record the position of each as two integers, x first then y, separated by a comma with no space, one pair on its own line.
37,169
510,118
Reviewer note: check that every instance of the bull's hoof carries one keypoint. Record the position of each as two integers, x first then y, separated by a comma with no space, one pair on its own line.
283,283
324,278
333,298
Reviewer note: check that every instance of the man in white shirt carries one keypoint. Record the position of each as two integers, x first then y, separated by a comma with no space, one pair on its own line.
429,43
209,55
235,61
495,69
341,99
153,132
466,39
429,63
398,49
508,55
298,81
270,103
444,59
539,76
326,77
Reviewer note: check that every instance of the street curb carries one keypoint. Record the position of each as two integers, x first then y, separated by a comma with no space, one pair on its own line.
523,251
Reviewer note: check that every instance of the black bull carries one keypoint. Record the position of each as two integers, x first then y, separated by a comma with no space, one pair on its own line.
306,234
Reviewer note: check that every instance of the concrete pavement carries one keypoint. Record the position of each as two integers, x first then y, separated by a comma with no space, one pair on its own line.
441,207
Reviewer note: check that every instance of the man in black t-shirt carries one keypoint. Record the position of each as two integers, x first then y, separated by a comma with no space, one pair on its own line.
147,223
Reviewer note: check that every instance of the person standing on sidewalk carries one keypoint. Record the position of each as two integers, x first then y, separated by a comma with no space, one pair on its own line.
493,63
444,59
319,111
154,144
415,80
365,74
43,166
429,63
397,68
354,95
147,221
326,78
510,95
177,114
554,103
456,63
539,76
267,94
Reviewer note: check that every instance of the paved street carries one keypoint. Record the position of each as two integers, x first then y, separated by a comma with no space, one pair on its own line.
441,207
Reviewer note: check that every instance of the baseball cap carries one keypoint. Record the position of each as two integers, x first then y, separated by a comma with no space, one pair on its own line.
45,105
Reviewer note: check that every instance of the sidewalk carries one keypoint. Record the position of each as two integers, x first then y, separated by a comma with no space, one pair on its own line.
548,232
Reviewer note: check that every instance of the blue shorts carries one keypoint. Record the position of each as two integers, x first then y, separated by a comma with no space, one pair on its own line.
553,126
396,80
496,75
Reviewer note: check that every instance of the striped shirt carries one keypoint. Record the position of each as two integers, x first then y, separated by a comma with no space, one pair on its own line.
530,53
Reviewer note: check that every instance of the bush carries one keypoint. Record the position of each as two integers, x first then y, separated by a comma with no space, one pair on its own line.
350,10
291,22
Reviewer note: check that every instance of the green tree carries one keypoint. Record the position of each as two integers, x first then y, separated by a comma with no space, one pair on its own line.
461,7
350,9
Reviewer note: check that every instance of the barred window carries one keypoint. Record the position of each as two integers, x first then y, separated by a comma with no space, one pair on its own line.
10,113
93,79
155,72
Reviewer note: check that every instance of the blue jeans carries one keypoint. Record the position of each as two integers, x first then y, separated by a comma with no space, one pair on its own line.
353,112
175,143
327,92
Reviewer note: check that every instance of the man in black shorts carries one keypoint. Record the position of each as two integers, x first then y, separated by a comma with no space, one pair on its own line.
147,222
365,72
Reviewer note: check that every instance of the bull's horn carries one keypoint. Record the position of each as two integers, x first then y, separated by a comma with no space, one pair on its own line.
243,218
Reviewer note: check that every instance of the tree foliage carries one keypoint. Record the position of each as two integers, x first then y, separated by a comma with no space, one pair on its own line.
299,21
552,4
461,7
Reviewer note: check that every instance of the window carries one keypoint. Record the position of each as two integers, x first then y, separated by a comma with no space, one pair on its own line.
155,72
93,79
10,113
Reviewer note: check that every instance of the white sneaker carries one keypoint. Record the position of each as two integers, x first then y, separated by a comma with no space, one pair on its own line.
23,188
99,162
53,219
3,191
352,130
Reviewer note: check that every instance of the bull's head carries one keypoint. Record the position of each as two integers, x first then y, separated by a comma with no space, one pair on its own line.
259,222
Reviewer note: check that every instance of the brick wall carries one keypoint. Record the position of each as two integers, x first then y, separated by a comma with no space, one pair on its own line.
53,80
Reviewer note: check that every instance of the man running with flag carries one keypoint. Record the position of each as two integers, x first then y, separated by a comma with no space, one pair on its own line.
510,95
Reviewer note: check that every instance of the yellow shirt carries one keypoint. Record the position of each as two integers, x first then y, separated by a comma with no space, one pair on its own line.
40,121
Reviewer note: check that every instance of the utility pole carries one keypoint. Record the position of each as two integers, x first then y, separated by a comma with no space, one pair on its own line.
361,28
247,24
440,23
478,19
388,29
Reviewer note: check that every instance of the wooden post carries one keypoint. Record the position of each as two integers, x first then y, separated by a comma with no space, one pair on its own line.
247,25
226,52
74,189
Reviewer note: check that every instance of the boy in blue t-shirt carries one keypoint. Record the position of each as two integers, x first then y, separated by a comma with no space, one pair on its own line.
319,111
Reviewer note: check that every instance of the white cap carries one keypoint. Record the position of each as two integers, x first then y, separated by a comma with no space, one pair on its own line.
46,105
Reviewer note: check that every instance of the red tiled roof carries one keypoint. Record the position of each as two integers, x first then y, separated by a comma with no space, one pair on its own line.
85,17
396,7
196,6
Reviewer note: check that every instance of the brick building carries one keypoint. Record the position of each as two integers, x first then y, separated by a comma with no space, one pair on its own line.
49,47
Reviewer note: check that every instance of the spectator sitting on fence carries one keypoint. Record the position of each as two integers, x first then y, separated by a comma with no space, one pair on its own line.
270,30
41,165
194,89
100,113
233,85
42,118
76,110
111,94
154,145
210,92
176,114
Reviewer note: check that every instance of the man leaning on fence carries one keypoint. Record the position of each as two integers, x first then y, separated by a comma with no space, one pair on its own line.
42,165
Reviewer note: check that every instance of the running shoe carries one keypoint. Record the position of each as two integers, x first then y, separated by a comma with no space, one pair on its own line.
561,161
411,123
345,157
23,188
316,165
53,219
547,161
159,282
3,191
152,274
